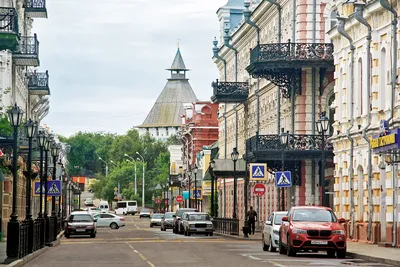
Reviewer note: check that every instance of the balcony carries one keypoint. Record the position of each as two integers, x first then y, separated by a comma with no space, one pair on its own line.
230,92
38,83
282,63
8,28
27,52
299,147
36,8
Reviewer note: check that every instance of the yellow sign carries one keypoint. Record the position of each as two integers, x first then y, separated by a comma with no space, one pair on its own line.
383,141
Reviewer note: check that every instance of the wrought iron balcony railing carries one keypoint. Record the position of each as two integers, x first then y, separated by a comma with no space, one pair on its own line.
299,145
36,8
8,20
27,52
303,52
38,83
230,92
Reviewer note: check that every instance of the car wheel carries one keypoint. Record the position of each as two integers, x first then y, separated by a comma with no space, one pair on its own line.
66,235
330,253
188,233
93,235
341,253
151,225
291,252
271,248
264,246
185,232
281,247
211,234
114,226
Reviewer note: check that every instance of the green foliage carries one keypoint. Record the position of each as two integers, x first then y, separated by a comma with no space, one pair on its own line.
5,128
173,140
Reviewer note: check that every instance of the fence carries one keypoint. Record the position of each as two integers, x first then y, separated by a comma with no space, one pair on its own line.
226,226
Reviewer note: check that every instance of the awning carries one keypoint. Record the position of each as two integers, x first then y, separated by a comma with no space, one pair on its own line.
224,168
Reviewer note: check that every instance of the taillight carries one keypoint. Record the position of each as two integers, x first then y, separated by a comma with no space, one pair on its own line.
90,227
122,219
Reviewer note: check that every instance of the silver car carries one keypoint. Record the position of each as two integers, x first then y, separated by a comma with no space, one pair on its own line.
167,221
270,234
197,223
156,219
109,220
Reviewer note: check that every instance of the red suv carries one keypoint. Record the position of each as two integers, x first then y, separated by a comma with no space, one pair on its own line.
312,228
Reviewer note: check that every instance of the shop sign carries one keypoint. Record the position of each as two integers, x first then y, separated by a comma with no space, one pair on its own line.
383,141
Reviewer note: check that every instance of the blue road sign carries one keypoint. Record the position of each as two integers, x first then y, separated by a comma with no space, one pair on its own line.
54,188
258,171
196,192
283,179
185,195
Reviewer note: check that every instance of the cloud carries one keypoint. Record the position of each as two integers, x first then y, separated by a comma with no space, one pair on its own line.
107,59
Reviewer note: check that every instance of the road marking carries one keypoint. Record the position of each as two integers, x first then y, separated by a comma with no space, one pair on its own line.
140,255
149,241
258,259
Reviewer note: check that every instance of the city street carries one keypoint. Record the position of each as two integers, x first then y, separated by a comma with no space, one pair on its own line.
137,244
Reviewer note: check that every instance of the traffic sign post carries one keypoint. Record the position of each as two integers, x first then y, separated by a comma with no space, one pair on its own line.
283,179
259,190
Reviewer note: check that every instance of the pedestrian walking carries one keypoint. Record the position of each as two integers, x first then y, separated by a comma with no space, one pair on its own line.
252,215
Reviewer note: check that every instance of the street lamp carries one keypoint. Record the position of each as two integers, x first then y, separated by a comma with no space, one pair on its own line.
284,139
212,166
137,153
15,116
322,127
195,169
106,165
30,128
41,139
53,219
189,174
234,156
126,155
47,143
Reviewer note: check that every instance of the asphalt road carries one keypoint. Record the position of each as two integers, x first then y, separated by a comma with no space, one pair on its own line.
139,245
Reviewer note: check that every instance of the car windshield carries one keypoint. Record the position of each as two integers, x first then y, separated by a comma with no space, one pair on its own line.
313,215
169,215
181,211
157,216
278,219
144,210
199,217
80,218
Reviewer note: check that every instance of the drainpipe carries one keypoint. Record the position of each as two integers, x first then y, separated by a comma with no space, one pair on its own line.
226,43
247,14
217,56
313,100
342,31
278,6
359,15
386,5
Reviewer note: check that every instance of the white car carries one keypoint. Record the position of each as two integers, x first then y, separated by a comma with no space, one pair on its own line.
93,210
144,213
89,202
156,219
270,234
109,220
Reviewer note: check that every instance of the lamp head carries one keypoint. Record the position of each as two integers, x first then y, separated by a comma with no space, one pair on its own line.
235,154
212,164
30,128
15,115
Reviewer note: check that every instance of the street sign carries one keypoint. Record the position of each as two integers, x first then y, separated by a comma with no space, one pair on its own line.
185,195
259,190
54,188
283,179
179,199
196,193
166,202
258,172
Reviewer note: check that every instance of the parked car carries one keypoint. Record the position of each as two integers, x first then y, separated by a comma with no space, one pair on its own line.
109,220
178,228
80,223
197,223
156,219
94,210
89,202
144,213
104,206
270,234
312,228
167,222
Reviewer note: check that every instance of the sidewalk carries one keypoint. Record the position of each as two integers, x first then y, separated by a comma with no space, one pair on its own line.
356,250
3,253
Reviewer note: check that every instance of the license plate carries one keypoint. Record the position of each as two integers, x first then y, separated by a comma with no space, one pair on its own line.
201,230
80,230
319,242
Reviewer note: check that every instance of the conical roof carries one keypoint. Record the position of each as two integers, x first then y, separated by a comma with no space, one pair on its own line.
178,63
168,108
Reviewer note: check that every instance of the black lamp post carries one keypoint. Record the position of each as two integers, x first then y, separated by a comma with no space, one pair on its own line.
79,193
283,137
235,156
30,128
54,154
41,138
212,166
322,127
15,116
189,173
46,189
195,169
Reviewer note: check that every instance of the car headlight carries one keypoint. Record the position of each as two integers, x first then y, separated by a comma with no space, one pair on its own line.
276,232
209,226
192,225
299,231
338,232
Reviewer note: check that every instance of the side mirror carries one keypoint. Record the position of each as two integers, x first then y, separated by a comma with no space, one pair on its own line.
268,223
341,220
285,219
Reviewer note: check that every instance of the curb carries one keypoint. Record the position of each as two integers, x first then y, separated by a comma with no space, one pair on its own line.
373,259
237,237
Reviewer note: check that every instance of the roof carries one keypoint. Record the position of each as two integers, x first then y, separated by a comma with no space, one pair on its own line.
178,63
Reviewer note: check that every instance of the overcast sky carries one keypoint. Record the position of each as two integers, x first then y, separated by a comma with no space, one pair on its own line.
107,58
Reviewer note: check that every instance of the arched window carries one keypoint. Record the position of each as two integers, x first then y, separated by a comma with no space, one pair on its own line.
331,112
382,80
333,20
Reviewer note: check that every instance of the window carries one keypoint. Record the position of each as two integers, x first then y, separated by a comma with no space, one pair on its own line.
278,219
333,19
132,203
121,205
157,132
382,80
106,216
360,97
167,131
80,218
313,215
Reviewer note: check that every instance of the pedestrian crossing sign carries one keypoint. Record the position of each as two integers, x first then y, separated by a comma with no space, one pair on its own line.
258,171
283,179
